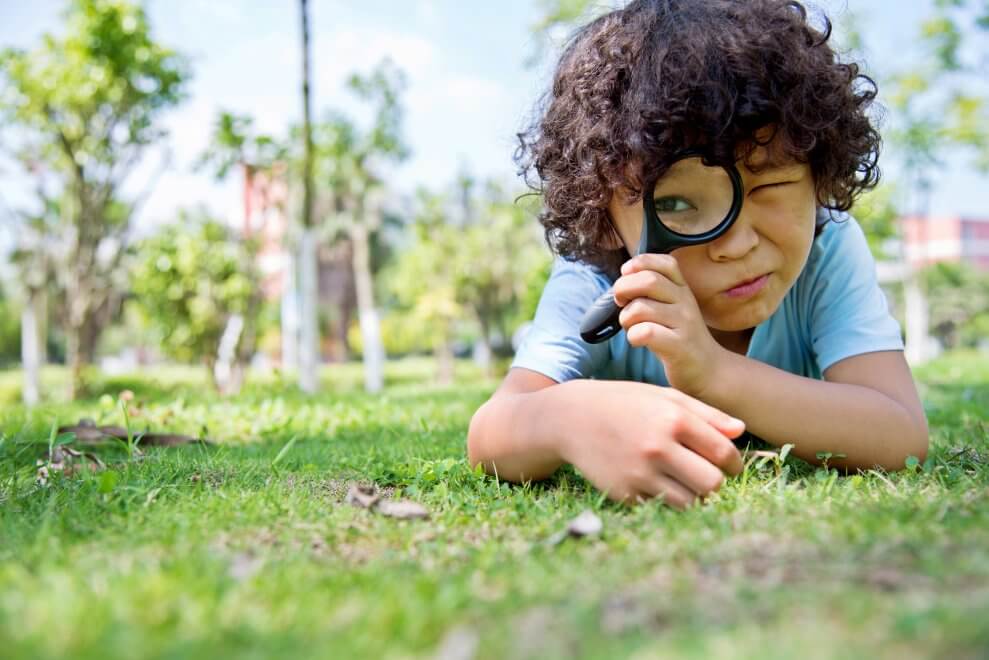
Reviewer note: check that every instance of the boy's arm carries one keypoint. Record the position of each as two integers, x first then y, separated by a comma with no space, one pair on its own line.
867,408
501,434
631,440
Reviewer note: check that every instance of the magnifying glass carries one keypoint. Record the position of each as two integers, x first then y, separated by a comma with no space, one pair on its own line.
690,204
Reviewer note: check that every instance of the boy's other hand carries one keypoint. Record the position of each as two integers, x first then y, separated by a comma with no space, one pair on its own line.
660,311
642,441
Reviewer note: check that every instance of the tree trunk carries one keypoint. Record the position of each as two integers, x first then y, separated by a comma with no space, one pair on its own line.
444,356
31,350
73,350
226,370
308,255
482,349
918,343
367,314
309,358
290,313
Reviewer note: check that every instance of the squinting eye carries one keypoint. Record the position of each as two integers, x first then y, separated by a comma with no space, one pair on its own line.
672,205
769,186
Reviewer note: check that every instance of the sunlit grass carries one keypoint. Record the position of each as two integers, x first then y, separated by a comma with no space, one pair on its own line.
221,549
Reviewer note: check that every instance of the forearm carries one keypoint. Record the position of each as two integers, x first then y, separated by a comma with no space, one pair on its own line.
518,435
868,427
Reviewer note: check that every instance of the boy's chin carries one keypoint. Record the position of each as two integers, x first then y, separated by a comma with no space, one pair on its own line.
743,320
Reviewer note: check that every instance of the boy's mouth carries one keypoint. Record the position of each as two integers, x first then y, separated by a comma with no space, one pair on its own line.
748,287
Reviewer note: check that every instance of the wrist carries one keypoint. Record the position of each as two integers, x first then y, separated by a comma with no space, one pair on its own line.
717,383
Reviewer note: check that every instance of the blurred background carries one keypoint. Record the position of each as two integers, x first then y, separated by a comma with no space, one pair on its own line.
272,189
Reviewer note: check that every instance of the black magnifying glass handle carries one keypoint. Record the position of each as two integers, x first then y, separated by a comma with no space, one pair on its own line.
600,321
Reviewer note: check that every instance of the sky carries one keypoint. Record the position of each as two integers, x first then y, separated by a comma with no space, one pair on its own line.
469,90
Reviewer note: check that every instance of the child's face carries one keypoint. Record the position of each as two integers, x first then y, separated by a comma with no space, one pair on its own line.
771,237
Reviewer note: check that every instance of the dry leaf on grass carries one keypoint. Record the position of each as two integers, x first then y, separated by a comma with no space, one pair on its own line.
87,432
402,509
362,496
68,461
367,497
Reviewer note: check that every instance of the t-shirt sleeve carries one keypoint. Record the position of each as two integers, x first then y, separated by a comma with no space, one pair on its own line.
849,314
552,346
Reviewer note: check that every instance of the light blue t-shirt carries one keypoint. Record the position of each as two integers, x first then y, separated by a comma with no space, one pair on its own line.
834,310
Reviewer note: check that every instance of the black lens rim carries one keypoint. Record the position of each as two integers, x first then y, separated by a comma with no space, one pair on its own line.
657,238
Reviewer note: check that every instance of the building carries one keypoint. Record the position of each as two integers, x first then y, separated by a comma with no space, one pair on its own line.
931,239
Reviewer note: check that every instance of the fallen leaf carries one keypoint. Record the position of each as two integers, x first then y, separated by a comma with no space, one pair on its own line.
68,461
402,509
362,496
369,497
86,431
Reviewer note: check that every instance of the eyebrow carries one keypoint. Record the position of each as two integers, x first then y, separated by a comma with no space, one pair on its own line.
769,169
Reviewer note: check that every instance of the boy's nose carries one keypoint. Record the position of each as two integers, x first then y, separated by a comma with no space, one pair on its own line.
737,242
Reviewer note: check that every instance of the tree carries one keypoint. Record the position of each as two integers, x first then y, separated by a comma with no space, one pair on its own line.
88,106
235,144
481,272
959,303
196,284
32,261
423,279
348,163
494,258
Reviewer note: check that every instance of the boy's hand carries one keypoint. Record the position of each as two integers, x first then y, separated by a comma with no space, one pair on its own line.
638,441
659,311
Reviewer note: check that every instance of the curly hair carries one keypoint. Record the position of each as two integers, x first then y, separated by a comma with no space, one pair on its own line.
638,85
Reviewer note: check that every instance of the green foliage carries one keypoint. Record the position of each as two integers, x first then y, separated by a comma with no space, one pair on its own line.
877,213
348,158
556,16
482,271
94,95
190,278
958,297
234,142
940,104
10,331
85,105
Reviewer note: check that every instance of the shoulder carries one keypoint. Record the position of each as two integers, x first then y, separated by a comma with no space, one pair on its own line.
575,280
839,256
841,241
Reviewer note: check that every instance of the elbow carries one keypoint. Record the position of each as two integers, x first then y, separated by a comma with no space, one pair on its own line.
916,443
475,437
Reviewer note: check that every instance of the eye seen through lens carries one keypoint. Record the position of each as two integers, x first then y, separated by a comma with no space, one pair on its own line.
692,198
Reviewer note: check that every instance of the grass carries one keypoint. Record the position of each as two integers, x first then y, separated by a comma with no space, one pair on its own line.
246,547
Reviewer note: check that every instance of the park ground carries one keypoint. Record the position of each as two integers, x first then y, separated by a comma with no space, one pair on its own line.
248,546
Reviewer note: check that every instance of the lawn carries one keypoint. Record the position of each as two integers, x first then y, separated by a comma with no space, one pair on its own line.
248,546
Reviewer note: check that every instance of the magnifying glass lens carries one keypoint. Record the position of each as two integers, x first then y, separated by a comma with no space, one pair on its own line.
692,198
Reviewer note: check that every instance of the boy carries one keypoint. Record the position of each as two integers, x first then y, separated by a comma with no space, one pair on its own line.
777,326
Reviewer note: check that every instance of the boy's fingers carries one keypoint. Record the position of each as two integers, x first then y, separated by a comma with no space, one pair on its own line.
693,471
703,433
671,492
661,263
731,427
646,284
705,440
